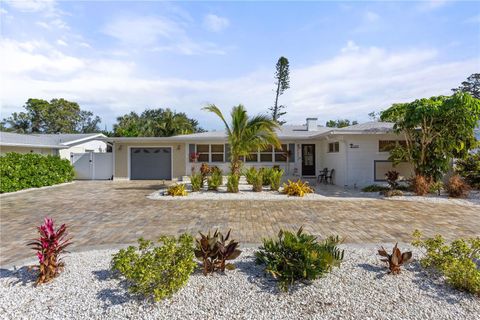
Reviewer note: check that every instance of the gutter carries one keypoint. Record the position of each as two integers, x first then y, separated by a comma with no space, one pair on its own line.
6,144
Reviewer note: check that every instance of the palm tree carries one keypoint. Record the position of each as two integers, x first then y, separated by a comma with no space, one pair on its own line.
246,134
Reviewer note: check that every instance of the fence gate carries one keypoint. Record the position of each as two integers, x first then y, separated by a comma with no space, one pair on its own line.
92,165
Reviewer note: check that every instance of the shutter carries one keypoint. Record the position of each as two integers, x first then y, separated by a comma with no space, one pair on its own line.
291,148
227,153
191,150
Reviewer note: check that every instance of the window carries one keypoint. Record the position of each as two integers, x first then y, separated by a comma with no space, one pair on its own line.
217,152
266,155
203,152
389,145
252,157
281,154
334,147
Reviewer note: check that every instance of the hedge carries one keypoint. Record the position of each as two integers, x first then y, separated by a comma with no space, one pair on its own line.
23,171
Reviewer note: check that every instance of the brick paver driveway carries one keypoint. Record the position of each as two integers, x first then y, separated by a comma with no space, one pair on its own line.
112,213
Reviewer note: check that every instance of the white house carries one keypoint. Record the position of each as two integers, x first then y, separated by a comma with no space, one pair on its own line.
358,154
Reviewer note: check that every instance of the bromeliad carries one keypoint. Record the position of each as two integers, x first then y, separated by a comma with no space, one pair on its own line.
396,259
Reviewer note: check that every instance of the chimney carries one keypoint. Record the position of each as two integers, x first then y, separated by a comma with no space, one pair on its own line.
312,124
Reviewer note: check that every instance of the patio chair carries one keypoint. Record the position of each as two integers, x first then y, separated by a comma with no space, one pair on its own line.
322,175
329,176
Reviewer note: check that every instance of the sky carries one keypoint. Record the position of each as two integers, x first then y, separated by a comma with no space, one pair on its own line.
346,58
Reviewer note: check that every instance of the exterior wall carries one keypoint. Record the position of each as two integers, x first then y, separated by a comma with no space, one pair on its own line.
6,149
121,155
94,145
334,160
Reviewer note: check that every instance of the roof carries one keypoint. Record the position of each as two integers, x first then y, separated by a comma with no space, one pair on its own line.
55,141
284,133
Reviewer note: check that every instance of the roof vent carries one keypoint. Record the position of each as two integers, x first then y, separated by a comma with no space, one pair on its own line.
312,124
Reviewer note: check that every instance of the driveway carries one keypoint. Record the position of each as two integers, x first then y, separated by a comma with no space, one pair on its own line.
106,213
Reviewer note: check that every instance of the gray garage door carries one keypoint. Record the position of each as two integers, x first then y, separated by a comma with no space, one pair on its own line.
150,163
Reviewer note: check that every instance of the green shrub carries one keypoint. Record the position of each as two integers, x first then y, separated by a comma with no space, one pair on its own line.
156,271
275,179
232,183
456,262
297,188
298,256
196,180
31,170
177,190
436,187
469,169
257,183
266,176
215,180
250,174
374,188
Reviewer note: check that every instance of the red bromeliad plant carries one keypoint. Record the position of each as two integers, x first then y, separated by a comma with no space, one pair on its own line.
49,246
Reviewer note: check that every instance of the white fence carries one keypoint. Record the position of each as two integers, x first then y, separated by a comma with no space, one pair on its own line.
92,165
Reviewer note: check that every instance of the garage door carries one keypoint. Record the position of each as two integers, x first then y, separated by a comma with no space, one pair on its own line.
150,163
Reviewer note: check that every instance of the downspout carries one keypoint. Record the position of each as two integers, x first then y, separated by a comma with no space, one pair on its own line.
346,164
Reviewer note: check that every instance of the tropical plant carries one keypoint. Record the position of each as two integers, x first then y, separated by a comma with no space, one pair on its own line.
392,177
266,175
471,86
257,182
250,174
156,271
49,246
214,251
298,188
456,262
246,134
342,123
196,180
204,171
396,259
282,83
31,170
469,169
435,130
436,187
420,185
215,180
298,256
374,188
392,193
456,187
275,179
177,190
232,183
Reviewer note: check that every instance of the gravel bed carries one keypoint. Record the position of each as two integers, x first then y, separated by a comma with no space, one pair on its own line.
359,289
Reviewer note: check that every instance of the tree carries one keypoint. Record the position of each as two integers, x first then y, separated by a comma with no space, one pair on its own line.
340,123
471,86
56,116
246,134
436,130
155,123
374,116
282,83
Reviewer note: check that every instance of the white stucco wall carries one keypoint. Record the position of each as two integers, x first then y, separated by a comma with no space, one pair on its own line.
94,145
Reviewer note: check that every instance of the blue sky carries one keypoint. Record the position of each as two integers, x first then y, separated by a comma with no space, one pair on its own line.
346,58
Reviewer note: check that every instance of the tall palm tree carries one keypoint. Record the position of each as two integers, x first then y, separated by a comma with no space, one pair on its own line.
246,134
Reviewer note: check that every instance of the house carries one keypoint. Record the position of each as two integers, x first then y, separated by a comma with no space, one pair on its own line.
358,154
63,145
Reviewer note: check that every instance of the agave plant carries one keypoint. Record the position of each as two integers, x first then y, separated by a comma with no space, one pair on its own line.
49,246
214,251
396,259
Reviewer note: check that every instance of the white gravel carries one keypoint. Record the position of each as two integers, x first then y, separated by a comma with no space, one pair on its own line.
359,289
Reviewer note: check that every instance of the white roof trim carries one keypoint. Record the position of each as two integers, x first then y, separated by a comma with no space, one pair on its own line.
8,144
93,137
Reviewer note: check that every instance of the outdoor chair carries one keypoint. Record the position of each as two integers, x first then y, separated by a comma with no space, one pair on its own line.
322,175
329,177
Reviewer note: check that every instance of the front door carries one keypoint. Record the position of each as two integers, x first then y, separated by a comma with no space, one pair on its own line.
308,160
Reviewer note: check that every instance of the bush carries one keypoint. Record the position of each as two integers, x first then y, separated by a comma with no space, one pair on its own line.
250,174
469,169
436,187
457,188
456,262
156,271
177,190
392,177
374,188
275,179
298,188
49,247
298,256
420,185
196,180
31,170
232,183
266,176
215,180
392,193
257,183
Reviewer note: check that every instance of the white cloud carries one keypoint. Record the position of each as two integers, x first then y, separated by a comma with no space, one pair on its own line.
350,84
31,5
371,16
60,42
215,23
350,47
428,5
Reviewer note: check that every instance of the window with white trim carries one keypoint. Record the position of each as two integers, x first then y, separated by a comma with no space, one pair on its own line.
334,147
203,151
266,154
217,152
281,154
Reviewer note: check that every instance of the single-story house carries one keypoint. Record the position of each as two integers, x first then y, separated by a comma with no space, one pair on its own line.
54,144
358,153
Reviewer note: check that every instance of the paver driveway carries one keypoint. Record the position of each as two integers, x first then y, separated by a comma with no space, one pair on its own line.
112,213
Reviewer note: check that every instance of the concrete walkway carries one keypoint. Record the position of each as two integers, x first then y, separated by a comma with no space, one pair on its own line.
111,213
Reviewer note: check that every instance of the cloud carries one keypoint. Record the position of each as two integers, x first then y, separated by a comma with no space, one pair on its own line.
32,5
350,47
157,34
371,16
215,23
429,5
349,84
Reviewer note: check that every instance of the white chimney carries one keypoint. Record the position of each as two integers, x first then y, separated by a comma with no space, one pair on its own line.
312,124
